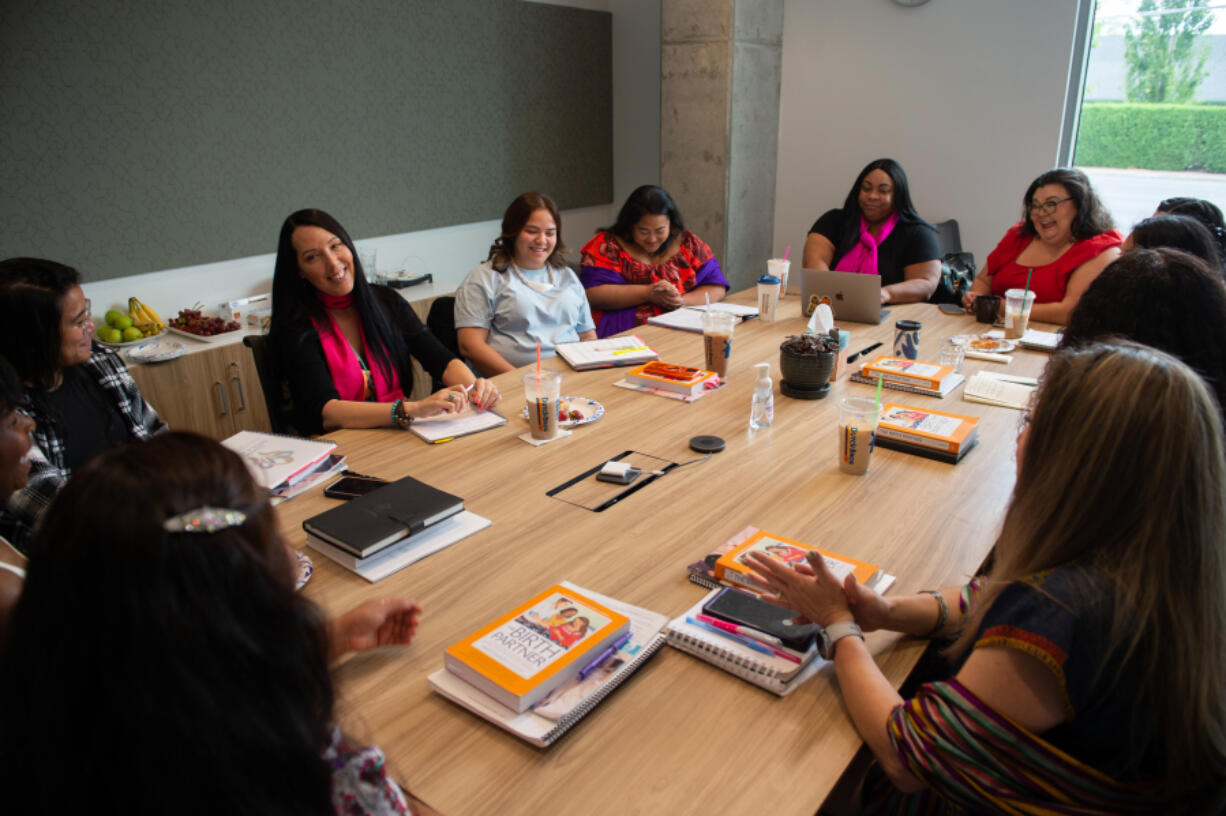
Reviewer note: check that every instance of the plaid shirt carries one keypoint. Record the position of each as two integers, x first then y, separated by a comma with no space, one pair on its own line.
48,468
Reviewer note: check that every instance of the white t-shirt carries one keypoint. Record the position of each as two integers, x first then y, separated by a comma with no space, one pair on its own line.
517,316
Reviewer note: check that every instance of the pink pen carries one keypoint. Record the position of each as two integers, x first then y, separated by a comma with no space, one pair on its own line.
773,642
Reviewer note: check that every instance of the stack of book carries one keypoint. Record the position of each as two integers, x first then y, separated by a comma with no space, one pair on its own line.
670,377
915,376
285,465
770,668
924,432
391,527
540,668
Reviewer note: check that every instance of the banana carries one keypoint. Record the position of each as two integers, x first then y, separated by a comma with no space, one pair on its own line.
144,318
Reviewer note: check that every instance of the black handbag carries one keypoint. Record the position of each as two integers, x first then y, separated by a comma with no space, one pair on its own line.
957,273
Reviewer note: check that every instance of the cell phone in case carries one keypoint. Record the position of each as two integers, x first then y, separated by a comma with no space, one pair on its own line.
743,609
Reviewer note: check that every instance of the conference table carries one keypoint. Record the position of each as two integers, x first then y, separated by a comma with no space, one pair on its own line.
680,735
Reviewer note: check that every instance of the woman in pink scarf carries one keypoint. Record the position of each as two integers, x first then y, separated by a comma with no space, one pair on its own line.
346,347
878,232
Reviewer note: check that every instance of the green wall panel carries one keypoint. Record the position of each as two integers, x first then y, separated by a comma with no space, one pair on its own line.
147,135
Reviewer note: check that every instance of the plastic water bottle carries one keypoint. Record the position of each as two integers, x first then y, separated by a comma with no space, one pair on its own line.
762,409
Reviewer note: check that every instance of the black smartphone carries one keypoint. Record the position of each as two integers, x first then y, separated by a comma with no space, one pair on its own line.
749,610
350,487
951,308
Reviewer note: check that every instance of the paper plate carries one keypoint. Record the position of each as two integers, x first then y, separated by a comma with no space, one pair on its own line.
589,408
156,351
306,568
989,344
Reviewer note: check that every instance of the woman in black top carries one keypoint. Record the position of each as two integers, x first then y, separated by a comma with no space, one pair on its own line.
879,232
345,345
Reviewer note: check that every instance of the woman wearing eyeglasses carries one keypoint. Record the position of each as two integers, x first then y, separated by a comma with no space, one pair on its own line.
1064,240
79,394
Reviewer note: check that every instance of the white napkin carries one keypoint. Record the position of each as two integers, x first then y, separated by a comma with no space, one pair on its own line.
822,319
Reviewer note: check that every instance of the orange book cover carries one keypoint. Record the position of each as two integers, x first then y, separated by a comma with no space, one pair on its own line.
907,372
921,426
670,376
521,656
732,567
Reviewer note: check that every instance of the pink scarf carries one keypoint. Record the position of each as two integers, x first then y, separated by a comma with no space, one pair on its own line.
347,374
862,257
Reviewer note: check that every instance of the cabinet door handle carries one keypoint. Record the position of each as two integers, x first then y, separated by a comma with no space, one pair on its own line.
221,394
238,381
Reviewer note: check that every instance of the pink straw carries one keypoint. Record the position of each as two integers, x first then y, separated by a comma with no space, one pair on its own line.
538,365
786,251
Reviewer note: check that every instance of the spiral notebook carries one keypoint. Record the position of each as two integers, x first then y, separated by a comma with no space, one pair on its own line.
775,674
552,717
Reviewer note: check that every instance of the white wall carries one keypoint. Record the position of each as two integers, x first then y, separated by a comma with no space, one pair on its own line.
448,253
966,94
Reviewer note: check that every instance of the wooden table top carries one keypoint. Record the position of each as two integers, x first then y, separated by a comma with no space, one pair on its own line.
680,736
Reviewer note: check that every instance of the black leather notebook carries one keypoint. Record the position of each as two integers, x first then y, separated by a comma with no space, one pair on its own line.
383,516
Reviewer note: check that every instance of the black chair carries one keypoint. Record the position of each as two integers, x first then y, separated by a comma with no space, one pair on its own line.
440,320
274,386
949,237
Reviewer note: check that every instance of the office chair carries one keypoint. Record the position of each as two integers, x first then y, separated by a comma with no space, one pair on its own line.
440,320
275,388
949,237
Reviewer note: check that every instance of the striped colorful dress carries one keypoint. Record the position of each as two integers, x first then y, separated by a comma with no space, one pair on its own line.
975,760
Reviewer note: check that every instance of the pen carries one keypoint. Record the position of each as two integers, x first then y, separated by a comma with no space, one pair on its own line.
743,631
770,641
760,648
603,656
856,356
441,441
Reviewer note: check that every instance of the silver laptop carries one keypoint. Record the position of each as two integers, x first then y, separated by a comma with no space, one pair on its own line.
853,297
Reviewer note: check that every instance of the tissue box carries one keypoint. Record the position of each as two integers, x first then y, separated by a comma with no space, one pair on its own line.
840,361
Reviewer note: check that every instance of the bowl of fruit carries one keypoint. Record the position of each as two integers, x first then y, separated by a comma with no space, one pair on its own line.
128,328
192,323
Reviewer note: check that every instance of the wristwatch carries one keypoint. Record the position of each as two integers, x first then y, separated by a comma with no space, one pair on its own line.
832,634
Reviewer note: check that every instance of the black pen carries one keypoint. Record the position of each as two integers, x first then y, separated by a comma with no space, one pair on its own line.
856,356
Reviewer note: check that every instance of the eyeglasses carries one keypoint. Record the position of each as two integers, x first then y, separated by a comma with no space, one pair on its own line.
1049,206
84,323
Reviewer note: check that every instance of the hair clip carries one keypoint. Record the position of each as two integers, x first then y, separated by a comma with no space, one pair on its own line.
204,520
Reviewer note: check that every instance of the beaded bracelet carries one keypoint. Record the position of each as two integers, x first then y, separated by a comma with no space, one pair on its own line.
399,416
942,614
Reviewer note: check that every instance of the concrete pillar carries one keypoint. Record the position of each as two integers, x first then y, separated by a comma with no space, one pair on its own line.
720,70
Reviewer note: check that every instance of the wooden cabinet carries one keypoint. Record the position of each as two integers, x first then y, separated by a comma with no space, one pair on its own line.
215,392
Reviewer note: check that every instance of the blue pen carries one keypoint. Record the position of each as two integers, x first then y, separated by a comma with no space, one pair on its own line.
746,642
603,656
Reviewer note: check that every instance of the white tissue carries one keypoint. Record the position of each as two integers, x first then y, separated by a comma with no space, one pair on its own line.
822,319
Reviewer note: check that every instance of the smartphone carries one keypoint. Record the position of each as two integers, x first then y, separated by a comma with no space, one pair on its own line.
350,487
951,308
749,610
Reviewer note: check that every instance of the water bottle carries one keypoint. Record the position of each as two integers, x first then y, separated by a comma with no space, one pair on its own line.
762,409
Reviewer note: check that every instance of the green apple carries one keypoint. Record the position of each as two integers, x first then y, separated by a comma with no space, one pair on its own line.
108,334
114,316
132,333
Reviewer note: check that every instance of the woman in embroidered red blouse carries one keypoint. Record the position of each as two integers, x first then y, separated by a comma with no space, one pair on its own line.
1066,238
647,263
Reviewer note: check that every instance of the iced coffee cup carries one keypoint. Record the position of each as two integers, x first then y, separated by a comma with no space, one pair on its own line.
542,395
717,340
857,433
778,268
1017,312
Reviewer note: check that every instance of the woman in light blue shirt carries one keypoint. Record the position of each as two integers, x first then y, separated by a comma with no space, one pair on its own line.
524,293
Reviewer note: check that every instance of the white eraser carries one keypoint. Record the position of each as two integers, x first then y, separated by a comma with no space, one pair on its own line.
615,468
